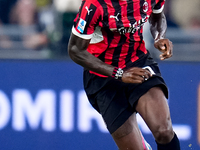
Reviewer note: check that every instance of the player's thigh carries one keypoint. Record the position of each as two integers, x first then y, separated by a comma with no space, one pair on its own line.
128,135
154,109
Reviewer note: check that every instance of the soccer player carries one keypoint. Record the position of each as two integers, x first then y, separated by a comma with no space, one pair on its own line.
120,77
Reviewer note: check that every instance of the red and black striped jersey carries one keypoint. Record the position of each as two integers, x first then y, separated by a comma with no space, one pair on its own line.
115,28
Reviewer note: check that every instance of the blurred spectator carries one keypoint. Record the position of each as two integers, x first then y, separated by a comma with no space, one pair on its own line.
24,14
186,13
25,28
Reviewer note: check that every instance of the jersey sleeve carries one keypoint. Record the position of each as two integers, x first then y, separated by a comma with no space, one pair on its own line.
159,7
86,20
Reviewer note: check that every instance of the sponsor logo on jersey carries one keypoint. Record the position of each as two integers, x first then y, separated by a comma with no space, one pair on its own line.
88,10
133,27
81,25
116,17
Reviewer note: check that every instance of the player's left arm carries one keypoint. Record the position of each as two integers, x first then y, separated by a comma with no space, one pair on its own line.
158,27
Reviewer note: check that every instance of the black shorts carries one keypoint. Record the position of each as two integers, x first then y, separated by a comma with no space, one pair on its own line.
115,100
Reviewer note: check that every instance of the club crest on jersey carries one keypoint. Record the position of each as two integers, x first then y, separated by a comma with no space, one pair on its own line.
81,25
145,7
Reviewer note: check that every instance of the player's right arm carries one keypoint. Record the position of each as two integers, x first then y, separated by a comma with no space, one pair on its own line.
77,50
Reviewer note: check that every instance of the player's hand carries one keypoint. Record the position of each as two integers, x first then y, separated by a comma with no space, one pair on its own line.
136,75
165,46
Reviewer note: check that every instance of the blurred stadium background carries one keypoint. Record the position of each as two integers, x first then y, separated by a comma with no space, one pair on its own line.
42,102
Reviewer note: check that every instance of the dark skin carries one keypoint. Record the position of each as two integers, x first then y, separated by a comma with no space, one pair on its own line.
157,117
78,52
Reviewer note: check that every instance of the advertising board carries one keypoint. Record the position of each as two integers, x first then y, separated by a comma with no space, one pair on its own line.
43,107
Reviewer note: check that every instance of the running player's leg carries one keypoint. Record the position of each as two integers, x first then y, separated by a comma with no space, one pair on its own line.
154,109
128,136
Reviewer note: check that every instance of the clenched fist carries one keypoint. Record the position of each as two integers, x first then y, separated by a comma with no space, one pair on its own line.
136,75
165,46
